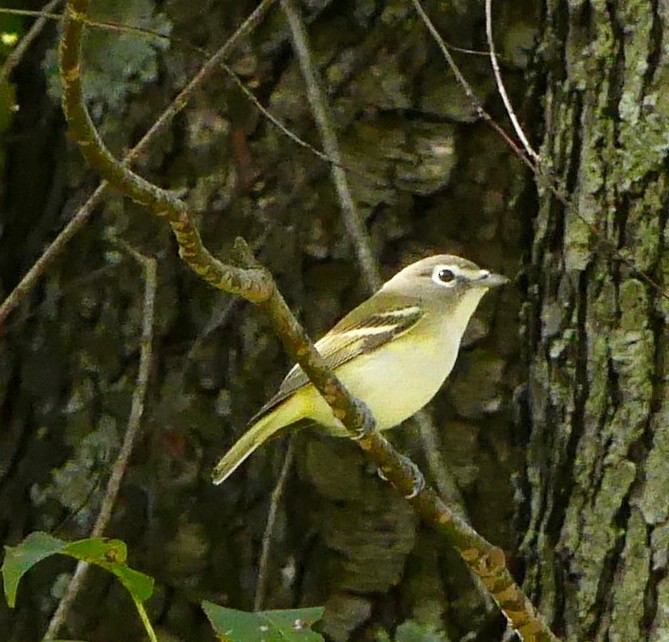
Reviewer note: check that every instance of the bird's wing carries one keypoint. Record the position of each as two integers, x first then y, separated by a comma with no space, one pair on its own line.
352,336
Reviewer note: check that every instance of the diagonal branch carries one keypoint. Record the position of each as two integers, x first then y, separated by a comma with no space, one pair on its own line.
354,224
502,89
54,250
19,51
134,421
256,284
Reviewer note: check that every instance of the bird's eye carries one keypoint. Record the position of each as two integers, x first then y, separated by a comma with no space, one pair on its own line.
445,275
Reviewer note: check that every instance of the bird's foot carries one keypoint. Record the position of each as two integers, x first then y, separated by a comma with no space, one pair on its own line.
416,475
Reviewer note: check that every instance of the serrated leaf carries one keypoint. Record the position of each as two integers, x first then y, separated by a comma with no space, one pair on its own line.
264,626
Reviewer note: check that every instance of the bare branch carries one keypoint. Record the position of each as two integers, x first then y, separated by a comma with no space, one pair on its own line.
274,502
81,217
134,422
500,86
18,52
352,221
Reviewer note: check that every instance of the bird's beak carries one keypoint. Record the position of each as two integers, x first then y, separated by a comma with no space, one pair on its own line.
491,280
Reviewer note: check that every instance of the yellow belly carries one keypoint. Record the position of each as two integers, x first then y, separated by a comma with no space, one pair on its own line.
395,382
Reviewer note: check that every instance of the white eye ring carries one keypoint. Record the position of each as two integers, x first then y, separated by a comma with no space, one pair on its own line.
445,275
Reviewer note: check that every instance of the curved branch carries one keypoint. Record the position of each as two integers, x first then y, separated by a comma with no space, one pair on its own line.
31,278
252,284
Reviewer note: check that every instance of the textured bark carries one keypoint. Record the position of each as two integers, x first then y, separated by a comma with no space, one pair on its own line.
598,459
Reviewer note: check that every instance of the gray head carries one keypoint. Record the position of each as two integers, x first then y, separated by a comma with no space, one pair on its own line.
445,275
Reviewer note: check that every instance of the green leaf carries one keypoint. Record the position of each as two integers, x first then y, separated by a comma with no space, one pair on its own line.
108,554
20,559
264,626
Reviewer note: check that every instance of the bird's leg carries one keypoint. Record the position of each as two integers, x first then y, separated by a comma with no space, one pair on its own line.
368,426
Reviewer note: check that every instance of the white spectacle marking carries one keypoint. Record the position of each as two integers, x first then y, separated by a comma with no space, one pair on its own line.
453,268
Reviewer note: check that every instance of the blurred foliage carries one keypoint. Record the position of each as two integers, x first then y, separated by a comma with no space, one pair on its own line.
12,29
412,631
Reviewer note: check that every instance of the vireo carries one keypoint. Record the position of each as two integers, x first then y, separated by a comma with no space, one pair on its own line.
394,351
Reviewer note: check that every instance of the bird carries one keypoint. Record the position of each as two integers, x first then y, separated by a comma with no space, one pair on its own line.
393,352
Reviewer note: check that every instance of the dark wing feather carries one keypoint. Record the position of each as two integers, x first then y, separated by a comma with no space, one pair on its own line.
346,341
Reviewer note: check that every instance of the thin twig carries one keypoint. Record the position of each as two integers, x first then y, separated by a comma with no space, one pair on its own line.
500,86
18,52
357,232
81,217
287,132
134,422
440,471
266,549
539,172
352,220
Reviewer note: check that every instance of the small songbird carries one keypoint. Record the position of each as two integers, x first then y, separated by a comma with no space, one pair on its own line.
394,351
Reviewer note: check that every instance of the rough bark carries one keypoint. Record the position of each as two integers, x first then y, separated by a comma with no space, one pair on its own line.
598,457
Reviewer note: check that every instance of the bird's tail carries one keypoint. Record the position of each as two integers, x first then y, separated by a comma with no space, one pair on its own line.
255,436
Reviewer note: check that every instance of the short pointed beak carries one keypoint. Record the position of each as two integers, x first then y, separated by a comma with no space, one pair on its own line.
492,280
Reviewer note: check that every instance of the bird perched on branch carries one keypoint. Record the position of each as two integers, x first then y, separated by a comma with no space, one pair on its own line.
394,351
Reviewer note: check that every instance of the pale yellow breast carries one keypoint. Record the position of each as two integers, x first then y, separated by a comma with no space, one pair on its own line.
397,380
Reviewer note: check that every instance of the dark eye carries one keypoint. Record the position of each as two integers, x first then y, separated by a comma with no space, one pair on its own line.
445,275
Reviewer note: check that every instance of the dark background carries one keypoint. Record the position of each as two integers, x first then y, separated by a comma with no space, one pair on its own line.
550,424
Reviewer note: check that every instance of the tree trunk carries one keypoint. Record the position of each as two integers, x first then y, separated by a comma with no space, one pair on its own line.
598,458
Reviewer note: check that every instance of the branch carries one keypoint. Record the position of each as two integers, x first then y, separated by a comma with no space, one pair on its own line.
159,201
134,421
540,173
500,86
275,498
256,284
354,225
18,52
81,217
